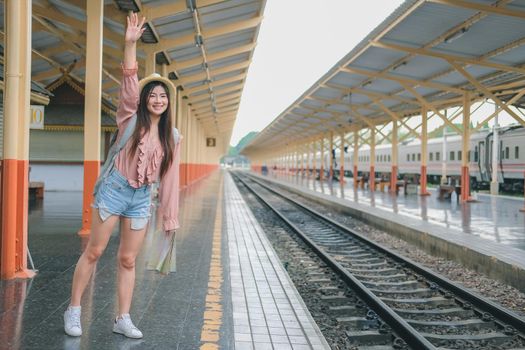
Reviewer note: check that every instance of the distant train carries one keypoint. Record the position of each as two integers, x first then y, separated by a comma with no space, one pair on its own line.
511,162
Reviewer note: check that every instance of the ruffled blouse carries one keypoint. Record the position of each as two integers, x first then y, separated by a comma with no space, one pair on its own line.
143,167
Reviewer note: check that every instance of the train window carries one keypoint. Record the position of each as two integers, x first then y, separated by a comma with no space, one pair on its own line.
476,155
408,157
419,157
413,157
468,156
431,156
451,155
389,157
507,153
437,156
516,152
459,155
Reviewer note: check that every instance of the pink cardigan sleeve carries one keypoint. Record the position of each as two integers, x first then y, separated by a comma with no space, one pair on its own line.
129,96
169,193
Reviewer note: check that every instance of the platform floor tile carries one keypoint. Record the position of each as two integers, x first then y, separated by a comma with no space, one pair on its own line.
268,312
168,309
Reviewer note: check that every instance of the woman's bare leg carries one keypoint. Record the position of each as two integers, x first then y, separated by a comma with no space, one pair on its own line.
130,244
98,240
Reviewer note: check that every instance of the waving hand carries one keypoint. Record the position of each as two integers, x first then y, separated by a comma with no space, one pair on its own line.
134,29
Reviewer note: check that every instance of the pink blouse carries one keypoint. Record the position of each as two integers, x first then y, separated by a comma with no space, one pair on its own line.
144,167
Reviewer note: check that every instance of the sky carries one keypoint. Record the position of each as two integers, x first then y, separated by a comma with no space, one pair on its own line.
299,41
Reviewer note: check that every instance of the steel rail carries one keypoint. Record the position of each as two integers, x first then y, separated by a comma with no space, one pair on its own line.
467,295
404,330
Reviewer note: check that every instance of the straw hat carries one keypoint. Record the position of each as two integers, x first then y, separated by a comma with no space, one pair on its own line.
168,83
158,77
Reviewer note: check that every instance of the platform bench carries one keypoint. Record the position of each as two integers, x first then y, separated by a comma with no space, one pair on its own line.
36,189
445,191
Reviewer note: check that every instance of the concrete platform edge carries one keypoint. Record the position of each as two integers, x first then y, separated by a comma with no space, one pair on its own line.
292,292
494,265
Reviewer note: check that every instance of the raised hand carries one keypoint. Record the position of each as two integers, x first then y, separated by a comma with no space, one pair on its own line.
134,29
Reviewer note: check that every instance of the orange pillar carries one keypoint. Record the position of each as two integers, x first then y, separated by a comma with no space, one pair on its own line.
356,156
314,159
465,142
393,174
301,150
94,40
465,184
393,179
424,152
523,209
331,154
423,181
307,160
342,159
15,178
321,169
372,179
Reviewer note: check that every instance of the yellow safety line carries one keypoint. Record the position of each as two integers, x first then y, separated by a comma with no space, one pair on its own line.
213,311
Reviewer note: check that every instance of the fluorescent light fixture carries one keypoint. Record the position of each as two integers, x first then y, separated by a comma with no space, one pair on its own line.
456,35
198,40
399,65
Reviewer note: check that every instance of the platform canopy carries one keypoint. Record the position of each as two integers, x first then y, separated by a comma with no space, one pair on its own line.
427,54
206,45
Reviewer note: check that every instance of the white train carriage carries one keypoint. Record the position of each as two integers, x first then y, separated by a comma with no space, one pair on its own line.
511,163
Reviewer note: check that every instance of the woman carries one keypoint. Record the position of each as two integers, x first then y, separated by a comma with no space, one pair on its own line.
125,193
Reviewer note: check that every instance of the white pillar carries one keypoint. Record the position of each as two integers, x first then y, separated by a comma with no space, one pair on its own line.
444,155
494,184
92,106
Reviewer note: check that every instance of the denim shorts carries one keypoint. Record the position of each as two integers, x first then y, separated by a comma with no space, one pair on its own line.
115,196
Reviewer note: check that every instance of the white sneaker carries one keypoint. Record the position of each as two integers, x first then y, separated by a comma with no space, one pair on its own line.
124,325
72,325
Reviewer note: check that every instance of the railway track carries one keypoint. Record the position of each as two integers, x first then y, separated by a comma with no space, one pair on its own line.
424,309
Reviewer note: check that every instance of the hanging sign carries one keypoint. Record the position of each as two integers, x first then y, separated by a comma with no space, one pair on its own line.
210,142
36,120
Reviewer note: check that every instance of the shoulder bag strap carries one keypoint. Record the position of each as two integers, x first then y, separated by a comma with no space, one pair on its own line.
127,132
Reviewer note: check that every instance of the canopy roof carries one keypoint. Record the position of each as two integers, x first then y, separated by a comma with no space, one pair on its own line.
430,54
206,44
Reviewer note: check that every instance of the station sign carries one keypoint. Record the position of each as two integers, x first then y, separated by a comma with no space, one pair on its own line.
210,142
36,115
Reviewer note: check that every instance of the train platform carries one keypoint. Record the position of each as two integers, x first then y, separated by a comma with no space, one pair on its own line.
487,235
230,290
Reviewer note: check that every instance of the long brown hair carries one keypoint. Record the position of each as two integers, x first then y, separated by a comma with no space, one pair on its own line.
144,124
